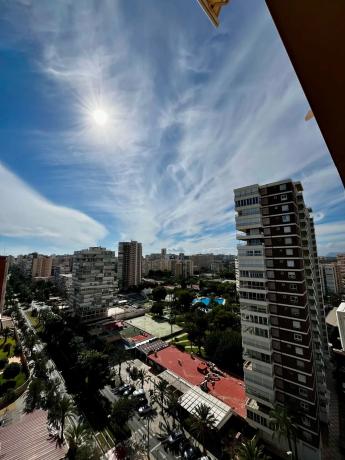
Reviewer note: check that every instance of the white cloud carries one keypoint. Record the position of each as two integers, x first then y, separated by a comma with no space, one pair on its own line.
190,119
25,214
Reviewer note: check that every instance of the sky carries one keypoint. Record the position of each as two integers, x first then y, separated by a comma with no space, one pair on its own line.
190,112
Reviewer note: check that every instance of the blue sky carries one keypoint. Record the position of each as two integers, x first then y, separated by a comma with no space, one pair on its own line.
193,112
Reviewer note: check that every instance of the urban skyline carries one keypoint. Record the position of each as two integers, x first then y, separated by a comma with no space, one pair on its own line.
209,108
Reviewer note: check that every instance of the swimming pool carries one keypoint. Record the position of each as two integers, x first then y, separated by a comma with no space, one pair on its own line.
206,300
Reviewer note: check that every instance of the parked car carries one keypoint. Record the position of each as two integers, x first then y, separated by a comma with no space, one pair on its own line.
205,457
175,437
140,392
129,390
144,410
124,388
141,401
191,453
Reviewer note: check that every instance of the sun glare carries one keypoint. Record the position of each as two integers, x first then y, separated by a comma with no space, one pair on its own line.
100,117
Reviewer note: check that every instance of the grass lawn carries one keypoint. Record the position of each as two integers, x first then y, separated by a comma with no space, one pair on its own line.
182,339
10,340
19,379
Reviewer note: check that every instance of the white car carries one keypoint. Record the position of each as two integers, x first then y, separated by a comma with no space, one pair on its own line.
140,392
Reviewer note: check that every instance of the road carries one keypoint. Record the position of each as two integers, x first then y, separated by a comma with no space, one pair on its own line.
138,427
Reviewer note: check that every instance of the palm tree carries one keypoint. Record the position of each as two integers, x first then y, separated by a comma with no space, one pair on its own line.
63,408
77,434
142,374
34,395
203,421
173,407
283,426
250,451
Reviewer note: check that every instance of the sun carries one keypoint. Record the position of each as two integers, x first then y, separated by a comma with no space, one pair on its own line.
100,117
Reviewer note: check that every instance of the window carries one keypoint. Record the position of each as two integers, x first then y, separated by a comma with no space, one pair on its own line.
301,378
291,275
289,252
308,436
305,421
274,320
293,299
283,197
304,405
288,240
285,207
296,324
290,263
286,218
282,187
300,364
295,312
298,337
302,392
269,263
287,229
299,351
293,287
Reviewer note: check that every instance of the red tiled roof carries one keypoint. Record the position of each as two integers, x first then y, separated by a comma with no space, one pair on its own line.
228,389
140,338
28,439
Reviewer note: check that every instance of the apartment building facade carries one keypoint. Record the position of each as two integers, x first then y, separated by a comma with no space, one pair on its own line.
93,282
4,262
41,266
129,265
330,277
282,315
341,267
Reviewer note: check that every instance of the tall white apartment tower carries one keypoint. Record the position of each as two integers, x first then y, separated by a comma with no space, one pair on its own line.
129,266
93,282
282,315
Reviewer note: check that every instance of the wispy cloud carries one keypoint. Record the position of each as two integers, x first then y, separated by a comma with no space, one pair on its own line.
27,215
194,113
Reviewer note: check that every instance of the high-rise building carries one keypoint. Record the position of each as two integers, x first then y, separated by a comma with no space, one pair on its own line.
330,277
3,280
41,266
341,266
182,268
62,264
93,282
129,266
282,315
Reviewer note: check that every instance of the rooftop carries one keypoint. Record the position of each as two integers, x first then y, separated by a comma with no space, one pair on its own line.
28,439
227,388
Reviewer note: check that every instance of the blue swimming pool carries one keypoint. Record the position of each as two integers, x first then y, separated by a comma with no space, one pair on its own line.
206,300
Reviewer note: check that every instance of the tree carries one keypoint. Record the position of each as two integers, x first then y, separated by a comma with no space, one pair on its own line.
219,345
34,396
184,299
142,375
173,406
159,396
283,426
121,356
57,414
77,435
93,370
203,421
159,293
11,371
121,412
157,309
150,416
6,332
250,451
